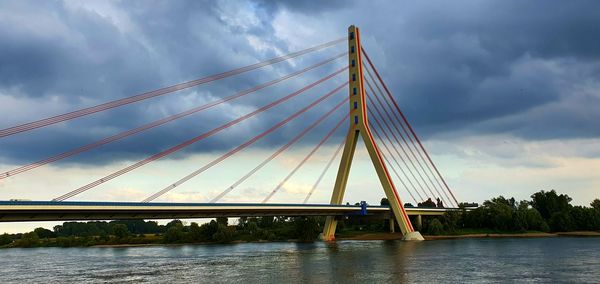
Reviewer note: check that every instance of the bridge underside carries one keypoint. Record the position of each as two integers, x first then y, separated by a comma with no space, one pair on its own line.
22,211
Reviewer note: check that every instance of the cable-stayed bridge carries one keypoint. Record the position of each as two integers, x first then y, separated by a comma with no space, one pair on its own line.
362,106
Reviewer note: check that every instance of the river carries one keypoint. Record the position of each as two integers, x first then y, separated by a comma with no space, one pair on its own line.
542,260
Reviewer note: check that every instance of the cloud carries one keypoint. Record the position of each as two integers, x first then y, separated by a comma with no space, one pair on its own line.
460,71
73,56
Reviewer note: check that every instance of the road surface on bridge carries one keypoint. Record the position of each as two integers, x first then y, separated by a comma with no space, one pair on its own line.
20,211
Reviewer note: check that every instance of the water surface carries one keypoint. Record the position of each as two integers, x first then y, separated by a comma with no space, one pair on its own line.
450,261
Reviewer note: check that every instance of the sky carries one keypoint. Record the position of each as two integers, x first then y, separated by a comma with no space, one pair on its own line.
503,94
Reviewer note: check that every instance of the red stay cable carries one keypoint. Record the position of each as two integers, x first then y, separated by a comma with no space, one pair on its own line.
158,122
386,124
246,144
271,157
159,92
394,169
195,139
312,152
329,163
376,95
378,124
407,123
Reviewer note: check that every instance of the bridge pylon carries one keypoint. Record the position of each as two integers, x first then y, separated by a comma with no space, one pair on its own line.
359,126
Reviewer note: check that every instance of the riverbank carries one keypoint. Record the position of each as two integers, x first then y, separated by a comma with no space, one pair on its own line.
397,236
362,236
379,236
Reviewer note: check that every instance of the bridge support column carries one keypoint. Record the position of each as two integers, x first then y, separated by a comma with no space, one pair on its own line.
419,222
359,126
392,225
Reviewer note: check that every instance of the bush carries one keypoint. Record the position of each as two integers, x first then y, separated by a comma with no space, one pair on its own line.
120,231
224,234
307,228
452,220
174,235
28,240
435,227
44,233
561,222
5,239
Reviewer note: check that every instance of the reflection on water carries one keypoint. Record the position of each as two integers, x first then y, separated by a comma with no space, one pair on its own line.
474,260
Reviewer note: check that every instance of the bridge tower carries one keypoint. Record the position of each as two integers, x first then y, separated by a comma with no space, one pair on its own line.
359,126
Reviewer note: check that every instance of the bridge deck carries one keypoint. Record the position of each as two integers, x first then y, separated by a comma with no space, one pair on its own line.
19,211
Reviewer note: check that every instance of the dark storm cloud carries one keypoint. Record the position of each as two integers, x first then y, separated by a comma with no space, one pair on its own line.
454,66
83,57
457,68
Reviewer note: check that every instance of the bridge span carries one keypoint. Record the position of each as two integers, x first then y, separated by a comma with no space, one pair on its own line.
23,211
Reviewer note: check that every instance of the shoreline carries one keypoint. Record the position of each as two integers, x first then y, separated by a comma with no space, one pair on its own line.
397,236
380,237
393,237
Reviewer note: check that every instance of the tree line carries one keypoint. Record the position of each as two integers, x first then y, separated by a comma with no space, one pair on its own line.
546,211
175,232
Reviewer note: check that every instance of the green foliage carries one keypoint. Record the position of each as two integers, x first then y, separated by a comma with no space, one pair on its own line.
434,227
531,219
547,211
195,232
561,222
174,234
120,231
549,203
384,202
209,229
223,221
500,212
596,204
174,223
224,234
452,220
427,203
30,239
267,222
44,233
307,228
5,239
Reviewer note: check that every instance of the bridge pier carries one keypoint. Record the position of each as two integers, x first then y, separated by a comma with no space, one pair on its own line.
419,222
359,127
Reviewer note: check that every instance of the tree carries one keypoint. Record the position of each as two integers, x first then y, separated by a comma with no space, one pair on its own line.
549,202
452,220
307,228
44,233
267,222
384,202
561,221
223,221
500,212
224,234
427,203
583,218
435,227
28,240
535,221
208,230
596,204
195,232
5,239
174,234
242,221
120,231
174,223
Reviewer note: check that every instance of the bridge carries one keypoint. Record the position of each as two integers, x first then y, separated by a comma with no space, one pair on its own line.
22,211
403,166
